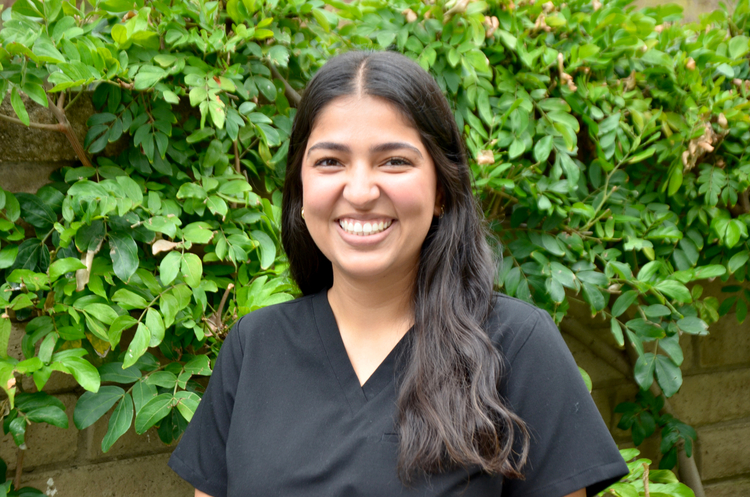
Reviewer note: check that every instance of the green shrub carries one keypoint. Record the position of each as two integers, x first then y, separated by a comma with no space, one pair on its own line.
608,147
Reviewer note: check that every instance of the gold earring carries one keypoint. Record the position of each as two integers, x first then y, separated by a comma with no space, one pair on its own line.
442,211
302,213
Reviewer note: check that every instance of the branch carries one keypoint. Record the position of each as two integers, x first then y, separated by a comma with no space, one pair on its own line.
69,133
48,127
290,92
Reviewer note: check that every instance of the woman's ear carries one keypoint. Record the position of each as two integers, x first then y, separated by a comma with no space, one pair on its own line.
439,202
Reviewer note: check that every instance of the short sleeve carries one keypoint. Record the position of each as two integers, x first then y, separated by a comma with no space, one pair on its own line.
200,457
571,447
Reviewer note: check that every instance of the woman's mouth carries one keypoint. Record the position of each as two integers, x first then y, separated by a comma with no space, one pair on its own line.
366,228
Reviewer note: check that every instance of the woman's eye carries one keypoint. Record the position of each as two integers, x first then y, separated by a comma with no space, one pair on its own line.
327,162
397,161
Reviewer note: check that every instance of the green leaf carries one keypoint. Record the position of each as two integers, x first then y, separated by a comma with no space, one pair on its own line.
478,60
137,346
84,373
542,148
586,379
124,253
49,414
267,248
322,20
187,403
118,326
594,297
18,107
563,275
35,212
623,302
8,256
169,267
113,372
142,393
644,370
198,365
124,296
92,406
191,268
668,375
199,232
102,312
131,189
693,325
62,266
617,332
737,261
119,422
675,290
5,329
152,412
155,326
738,46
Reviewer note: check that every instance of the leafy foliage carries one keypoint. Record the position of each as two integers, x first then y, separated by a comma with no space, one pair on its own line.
607,144
641,481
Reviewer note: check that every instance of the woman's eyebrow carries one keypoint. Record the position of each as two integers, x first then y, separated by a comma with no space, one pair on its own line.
329,146
387,147
383,147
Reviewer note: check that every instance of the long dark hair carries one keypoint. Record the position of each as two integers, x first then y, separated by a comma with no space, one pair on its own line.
449,411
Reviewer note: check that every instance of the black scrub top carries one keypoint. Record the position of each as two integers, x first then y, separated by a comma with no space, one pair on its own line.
284,414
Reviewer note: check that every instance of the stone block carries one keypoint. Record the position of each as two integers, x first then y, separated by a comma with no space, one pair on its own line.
728,343
688,352
137,477
30,145
603,400
739,487
711,398
724,450
602,374
130,444
28,177
46,444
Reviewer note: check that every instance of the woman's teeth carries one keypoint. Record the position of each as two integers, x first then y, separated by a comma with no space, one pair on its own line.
360,229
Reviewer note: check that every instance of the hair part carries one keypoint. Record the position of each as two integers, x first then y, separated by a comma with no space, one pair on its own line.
450,413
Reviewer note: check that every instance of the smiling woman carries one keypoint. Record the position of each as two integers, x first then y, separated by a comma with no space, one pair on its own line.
399,372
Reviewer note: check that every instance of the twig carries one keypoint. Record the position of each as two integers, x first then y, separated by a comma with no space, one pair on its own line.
646,490
69,133
19,468
48,127
291,93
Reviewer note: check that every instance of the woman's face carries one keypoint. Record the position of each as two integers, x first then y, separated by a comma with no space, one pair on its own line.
369,189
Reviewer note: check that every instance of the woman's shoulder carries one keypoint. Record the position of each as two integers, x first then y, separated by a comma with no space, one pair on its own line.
512,323
275,318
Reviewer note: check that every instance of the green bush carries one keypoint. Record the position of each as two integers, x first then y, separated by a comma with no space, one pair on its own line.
608,146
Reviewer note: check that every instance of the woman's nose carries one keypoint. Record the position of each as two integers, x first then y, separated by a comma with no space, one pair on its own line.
361,188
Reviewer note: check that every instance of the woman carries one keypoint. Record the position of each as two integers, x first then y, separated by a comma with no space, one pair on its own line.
398,372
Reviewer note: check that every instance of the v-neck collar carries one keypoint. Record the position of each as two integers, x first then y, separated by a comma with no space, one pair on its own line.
328,329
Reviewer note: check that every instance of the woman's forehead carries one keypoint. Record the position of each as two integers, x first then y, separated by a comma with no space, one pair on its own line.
355,117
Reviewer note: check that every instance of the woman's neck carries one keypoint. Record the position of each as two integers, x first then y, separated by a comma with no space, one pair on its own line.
372,317
373,307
